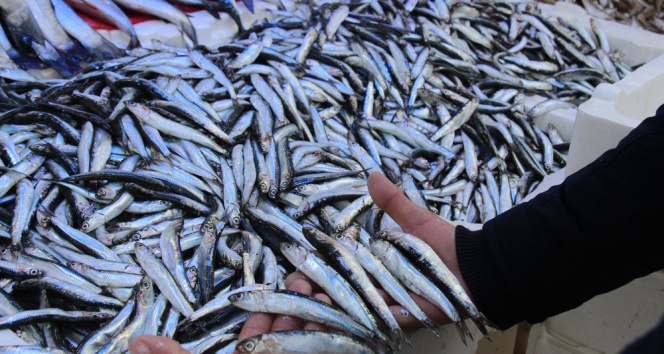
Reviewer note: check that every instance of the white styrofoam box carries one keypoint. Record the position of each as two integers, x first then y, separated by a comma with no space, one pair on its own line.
614,110
637,45
605,324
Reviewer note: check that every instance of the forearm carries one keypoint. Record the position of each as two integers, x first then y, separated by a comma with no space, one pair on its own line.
593,233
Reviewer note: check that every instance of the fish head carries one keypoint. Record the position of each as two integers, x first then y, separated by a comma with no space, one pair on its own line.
75,265
135,237
305,189
263,183
294,253
144,291
93,221
264,343
192,274
346,240
248,345
378,246
383,235
35,273
234,216
137,109
252,296
41,148
141,248
314,235
303,208
342,224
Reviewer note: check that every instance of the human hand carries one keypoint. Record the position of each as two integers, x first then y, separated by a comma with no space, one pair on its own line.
422,223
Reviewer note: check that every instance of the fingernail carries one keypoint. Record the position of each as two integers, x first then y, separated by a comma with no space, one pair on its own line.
140,348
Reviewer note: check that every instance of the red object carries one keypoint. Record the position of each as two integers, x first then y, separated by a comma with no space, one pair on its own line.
135,17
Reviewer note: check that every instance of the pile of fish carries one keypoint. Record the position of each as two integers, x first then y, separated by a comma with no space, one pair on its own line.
50,34
645,14
171,191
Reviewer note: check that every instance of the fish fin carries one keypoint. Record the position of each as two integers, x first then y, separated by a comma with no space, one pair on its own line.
487,323
49,55
106,51
77,53
25,61
464,331
134,42
432,326
399,336
479,322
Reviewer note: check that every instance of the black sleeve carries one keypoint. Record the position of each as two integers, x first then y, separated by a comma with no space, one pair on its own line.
651,342
598,230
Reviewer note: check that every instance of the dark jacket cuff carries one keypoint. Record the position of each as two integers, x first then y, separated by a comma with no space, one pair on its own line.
481,274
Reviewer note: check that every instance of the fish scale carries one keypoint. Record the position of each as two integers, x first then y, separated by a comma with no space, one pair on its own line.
183,176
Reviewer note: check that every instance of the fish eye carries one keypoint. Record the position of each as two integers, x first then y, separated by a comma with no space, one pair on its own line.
239,296
136,237
249,346
85,225
289,246
145,285
340,236
33,272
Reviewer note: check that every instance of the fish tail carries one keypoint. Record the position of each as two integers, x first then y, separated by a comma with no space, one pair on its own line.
76,53
400,337
106,50
50,56
432,326
464,331
487,323
25,61
480,323
134,42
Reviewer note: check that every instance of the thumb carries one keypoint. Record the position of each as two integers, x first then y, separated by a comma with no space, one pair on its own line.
146,344
389,198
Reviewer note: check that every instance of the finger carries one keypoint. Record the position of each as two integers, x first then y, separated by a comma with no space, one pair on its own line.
146,344
286,323
258,323
300,276
404,318
315,326
386,297
389,198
